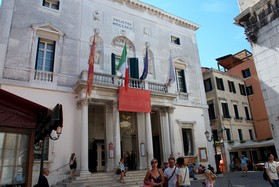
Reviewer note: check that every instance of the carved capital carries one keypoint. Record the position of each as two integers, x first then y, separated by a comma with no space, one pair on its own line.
171,109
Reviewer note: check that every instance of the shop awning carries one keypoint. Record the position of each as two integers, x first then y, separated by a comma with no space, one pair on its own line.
17,112
251,145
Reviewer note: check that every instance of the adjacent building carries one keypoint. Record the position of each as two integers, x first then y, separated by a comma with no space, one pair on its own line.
260,21
44,58
230,116
242,65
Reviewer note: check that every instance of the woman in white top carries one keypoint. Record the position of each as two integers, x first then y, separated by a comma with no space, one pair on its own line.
271,167
183,179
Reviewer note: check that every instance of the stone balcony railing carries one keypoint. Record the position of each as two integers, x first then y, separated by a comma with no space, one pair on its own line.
113,80
103,79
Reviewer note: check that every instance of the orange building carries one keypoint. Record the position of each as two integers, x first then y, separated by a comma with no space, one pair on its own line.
242,65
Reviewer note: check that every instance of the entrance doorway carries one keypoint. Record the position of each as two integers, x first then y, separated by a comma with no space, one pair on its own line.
97,156
129,143
156,136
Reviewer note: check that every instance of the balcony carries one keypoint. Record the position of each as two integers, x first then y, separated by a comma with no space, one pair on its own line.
110,83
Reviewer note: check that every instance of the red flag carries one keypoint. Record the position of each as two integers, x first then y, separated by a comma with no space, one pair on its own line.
126,77
90,68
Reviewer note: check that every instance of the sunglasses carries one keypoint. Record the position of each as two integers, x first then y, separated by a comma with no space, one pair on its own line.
153,162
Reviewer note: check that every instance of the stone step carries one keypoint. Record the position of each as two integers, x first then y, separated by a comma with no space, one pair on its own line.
108,179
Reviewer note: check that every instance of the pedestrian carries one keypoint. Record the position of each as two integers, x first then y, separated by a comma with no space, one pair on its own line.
170,173
155,176
122,169
166,165
271,167
183,178
244,167
210,168
43,182
210,178
73,165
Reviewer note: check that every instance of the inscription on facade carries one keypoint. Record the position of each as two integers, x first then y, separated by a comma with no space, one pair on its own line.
124,24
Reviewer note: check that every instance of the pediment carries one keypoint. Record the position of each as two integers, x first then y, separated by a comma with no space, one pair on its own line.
180,63
47,27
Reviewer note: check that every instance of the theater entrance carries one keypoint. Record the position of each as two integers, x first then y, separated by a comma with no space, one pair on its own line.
129,143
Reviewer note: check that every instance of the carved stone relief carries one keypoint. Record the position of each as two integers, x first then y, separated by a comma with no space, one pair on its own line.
119,41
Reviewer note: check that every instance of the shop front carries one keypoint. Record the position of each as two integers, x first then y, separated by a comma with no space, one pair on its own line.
20,120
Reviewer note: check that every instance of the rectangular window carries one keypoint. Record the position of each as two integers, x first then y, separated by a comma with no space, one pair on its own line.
181,83
246,73
38,149
225,109
53,4
240,134
231,86
251,134
242,89
188,141
207,85
247,114
45,60
249,90
228,134
236,112
175,40
211,111
220,84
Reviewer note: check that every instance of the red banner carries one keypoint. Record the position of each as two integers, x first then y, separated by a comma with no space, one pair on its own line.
134,100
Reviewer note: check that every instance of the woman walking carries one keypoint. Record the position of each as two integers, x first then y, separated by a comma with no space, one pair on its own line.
271,167
155,176
73,165
210,178
183,179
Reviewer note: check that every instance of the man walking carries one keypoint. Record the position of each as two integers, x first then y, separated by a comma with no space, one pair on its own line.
170,173
43,182
244,167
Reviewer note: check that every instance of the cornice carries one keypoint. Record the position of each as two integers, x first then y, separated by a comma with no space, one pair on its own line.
136,4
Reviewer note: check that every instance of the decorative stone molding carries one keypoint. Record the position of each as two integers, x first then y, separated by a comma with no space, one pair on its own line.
119,41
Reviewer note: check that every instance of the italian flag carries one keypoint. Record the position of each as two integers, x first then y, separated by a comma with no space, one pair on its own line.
123,67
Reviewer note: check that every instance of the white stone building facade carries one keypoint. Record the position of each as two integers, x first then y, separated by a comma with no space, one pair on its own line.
44,53
260,21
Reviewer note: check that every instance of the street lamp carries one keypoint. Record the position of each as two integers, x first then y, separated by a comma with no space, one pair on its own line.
209,139
55,125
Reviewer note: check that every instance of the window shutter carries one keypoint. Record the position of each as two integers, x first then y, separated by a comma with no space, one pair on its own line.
54,46
112,63
39,40
183,81
134,68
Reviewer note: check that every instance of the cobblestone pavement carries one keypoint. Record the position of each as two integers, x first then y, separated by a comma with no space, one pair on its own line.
254,179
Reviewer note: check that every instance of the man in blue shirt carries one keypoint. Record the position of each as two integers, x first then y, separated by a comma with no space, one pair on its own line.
244,167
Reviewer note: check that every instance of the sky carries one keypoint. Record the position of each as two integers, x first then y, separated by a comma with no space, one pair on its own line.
217,35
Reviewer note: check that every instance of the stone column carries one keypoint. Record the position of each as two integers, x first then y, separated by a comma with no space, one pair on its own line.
149,142
165,132
84,137
109,128
117,147
171,130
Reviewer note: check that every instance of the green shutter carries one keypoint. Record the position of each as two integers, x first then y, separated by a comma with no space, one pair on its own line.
112,63
134,68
